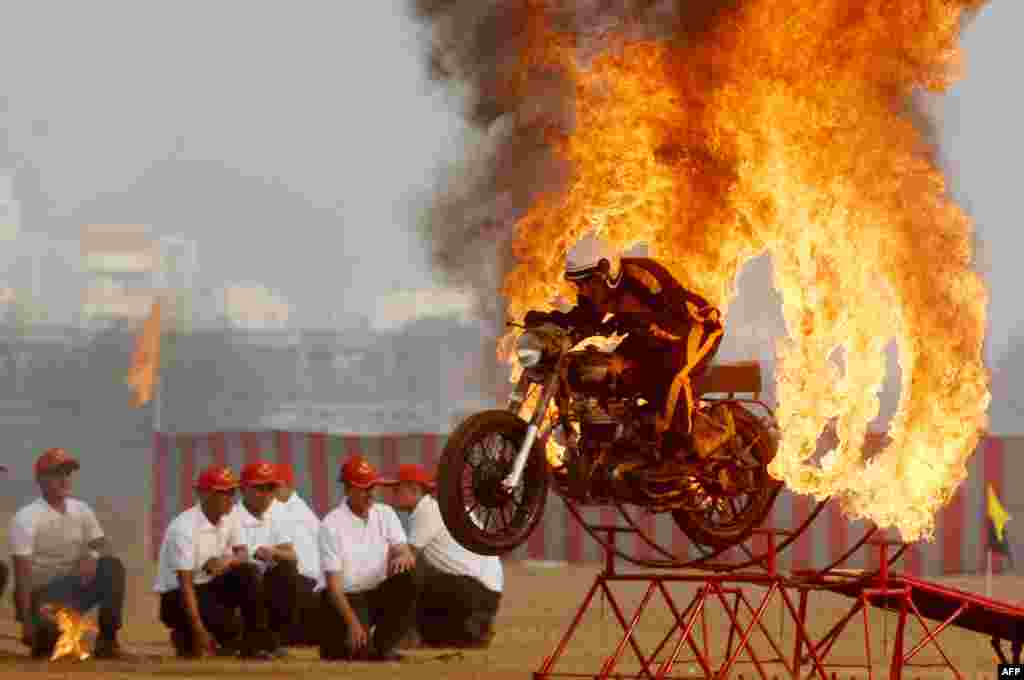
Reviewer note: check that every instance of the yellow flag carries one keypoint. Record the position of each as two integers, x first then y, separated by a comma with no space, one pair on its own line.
997,514
144,372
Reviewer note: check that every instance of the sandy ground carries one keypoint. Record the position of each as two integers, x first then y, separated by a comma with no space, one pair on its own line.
538,607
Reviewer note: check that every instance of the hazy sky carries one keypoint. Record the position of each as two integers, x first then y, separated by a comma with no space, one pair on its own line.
333,109
328,102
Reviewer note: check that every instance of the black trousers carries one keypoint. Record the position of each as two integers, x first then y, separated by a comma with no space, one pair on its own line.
453,610
237,591
390,608
4,574
293,608
106,591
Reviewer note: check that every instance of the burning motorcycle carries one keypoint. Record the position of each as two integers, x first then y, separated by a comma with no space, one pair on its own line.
591,441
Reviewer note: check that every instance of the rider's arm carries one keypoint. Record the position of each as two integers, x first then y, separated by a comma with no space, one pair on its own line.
584,314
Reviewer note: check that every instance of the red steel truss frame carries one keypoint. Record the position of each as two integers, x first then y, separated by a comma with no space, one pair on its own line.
883,589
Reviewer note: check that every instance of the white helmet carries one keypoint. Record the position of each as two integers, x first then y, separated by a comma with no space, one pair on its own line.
584,260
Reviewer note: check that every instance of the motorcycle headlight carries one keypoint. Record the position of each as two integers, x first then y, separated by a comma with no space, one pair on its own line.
529,349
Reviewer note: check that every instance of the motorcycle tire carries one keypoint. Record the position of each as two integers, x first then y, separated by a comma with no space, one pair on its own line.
451,489
695,524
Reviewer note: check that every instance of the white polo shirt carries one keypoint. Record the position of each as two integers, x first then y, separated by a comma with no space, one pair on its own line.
190,542
304,528
53,541
267,531
428,533
358,548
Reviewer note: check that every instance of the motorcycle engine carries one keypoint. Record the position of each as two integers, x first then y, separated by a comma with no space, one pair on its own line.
589,380
596,423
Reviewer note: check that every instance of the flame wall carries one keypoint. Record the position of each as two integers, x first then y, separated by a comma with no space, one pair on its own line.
959,537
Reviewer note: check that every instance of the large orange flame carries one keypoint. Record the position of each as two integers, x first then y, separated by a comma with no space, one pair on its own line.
785,129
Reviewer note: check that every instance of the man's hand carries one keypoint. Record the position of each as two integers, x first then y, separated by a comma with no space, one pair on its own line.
202,642
401,560
358,638
264,553
87,570
215,566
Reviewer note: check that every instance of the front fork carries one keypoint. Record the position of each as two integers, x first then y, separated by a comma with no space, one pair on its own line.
519,463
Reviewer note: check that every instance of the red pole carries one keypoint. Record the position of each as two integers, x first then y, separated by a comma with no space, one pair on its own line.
867,637
896,670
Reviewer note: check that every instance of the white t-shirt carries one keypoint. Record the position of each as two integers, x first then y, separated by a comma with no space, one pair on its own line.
53,541
190,542
304,528
261,531
358,548
428,533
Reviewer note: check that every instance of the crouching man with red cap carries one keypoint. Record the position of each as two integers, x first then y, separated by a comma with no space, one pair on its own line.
459,590
369,592
304,529
205,578
271,540
63,558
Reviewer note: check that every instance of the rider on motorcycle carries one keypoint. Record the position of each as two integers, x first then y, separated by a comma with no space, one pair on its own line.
673,332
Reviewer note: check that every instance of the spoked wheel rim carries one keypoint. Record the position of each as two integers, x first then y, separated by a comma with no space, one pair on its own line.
732,499
493,510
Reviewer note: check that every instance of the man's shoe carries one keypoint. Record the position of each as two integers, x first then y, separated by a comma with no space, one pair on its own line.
182,644
411,640
258,655
107,648
44,643
386,656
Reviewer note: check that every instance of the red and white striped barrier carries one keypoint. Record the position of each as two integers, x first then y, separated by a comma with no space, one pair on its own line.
959,544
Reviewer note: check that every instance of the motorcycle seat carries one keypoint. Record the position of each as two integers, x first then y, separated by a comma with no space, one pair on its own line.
729,378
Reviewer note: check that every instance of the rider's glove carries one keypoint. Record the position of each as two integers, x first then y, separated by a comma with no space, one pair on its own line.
615,325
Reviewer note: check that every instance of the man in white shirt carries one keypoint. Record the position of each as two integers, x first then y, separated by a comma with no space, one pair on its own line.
204,578
4,574
369,593
305,532
271,537
62,558
459,590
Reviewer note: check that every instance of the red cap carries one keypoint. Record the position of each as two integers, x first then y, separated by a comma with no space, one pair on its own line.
260,472
412,472
285,474
358,472
55,459
217,478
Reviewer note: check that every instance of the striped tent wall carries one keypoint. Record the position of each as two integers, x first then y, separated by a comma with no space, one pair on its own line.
958,546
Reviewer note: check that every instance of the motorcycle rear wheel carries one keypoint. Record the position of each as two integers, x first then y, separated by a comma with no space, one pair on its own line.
702,527
478,513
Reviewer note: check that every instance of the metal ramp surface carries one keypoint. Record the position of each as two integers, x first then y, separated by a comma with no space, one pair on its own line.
950,606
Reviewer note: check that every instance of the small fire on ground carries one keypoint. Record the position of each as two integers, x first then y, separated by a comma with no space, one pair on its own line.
73,626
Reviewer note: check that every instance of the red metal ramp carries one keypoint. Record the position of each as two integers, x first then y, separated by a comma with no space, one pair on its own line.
949,606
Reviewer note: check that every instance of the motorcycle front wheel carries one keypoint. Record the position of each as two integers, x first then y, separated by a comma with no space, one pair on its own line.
478,511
